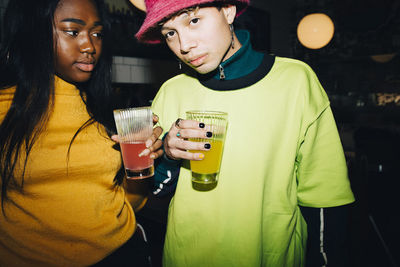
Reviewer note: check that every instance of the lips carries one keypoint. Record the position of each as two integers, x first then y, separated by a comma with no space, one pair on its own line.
197,61
86,66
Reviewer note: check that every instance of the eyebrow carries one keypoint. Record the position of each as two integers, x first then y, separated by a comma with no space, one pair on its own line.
185,12
79,21
162,27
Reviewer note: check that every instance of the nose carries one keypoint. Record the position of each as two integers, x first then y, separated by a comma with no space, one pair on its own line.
86,45
187,42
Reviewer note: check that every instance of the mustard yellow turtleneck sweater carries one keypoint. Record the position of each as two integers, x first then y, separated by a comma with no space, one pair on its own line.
70,213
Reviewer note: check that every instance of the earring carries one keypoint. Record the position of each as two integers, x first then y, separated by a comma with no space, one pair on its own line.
233,40
179,64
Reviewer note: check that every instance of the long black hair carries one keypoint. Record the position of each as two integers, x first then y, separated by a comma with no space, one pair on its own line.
27,62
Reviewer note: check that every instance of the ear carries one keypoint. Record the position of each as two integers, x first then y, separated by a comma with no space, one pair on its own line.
229,12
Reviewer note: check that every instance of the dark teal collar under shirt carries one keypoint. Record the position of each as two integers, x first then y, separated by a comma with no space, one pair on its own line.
242,69
245,56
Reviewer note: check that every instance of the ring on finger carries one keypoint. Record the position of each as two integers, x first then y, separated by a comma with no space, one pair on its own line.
177,122
178,134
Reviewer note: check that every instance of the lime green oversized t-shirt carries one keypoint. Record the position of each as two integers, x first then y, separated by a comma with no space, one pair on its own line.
282,150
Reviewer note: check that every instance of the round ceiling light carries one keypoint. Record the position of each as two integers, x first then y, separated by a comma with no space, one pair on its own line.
315,30
139,4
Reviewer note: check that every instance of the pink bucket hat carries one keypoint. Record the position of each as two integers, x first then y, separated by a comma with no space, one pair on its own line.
157,10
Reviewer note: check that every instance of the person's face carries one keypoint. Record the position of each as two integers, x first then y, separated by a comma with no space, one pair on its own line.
201,38
77,39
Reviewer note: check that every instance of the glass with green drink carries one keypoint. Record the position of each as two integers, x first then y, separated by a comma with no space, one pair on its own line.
206,171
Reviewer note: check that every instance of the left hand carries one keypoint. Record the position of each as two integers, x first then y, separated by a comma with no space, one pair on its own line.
153,144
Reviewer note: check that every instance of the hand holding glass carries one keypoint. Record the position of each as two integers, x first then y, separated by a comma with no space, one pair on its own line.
134,127
206,171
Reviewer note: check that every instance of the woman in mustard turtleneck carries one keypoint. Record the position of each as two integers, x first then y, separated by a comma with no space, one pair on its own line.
64,201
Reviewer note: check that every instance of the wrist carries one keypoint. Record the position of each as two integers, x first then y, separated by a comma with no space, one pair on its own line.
169,159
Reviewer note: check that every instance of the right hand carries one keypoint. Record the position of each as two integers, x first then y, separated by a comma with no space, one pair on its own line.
176,143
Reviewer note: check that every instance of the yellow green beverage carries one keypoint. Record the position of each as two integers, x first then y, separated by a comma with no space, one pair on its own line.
206,170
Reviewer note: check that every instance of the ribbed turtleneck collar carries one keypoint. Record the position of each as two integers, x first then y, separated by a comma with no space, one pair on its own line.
64,87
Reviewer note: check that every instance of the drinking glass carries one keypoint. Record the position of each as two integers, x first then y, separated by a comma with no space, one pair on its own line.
206,171
134,127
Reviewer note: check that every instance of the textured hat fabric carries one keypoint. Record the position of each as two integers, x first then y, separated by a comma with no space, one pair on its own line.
157,10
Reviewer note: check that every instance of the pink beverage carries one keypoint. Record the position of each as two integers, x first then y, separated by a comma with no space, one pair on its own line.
136,167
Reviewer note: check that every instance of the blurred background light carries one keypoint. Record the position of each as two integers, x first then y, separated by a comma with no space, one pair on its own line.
139,4
383,58
315,30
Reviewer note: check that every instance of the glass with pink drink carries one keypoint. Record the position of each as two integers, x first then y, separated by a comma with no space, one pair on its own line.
134,127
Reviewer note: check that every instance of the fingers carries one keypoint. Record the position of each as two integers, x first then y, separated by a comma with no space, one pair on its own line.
190,124
115,138
153,144
192,133
188,155
179,148
177,122
190,129
178,153
176,144
155,119
157,131
156,150
182,144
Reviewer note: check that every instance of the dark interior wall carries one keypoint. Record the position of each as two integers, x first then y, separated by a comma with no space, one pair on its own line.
281,25
3,4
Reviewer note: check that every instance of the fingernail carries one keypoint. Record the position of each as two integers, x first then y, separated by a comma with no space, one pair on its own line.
177,122
207,146
209,134
152,156
201,156
144,153
202,125
148,143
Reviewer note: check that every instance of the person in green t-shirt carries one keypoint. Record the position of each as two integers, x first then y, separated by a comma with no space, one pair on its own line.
283,188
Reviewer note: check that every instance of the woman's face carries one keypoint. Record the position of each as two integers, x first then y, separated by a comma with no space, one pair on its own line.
77,39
